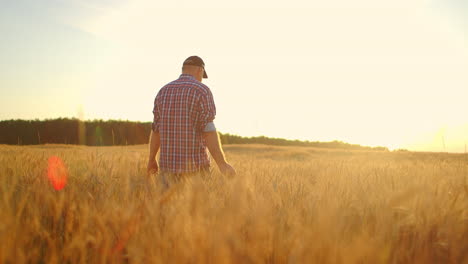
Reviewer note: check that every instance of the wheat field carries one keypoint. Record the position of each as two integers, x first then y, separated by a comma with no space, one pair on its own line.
286,205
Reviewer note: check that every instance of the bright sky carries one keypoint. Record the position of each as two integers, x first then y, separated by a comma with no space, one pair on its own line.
372,72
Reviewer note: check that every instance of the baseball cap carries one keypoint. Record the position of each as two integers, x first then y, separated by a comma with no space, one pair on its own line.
196,61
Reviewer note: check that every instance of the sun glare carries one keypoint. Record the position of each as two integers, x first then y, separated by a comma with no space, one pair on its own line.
57,173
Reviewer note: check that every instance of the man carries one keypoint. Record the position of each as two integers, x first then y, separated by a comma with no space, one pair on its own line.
183,127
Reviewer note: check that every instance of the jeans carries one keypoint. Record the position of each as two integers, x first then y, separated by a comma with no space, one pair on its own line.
168,179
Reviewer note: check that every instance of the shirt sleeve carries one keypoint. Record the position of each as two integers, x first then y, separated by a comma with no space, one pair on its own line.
155,125
210,127
207,110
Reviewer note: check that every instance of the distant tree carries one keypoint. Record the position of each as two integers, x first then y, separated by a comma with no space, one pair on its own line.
118,132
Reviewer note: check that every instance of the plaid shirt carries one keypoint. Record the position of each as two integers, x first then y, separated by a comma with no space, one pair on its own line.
182,109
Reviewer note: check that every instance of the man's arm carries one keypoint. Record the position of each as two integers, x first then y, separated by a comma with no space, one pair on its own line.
154,144
213,143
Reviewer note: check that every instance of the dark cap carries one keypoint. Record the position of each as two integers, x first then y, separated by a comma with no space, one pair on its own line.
196,61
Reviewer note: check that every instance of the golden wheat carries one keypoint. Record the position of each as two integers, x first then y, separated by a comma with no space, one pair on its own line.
287,205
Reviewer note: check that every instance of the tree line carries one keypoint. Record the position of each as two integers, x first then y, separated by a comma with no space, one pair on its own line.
118,132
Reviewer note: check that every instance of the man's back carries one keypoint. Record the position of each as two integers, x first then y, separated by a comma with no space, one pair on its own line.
182,109
183,127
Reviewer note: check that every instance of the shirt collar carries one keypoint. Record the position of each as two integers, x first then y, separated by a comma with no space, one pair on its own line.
186,76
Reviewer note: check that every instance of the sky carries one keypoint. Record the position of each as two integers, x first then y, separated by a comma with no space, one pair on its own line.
370,72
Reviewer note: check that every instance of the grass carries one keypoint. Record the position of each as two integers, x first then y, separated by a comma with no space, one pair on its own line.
287,205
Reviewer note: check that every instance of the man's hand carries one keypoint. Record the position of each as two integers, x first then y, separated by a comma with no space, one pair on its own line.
154,144
152,166
227,169
214,146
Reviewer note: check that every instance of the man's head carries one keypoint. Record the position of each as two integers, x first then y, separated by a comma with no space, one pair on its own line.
194,66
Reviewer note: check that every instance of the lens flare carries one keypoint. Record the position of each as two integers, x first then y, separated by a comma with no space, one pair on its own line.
57,173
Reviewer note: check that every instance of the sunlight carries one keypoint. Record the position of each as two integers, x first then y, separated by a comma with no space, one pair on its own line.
366,83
